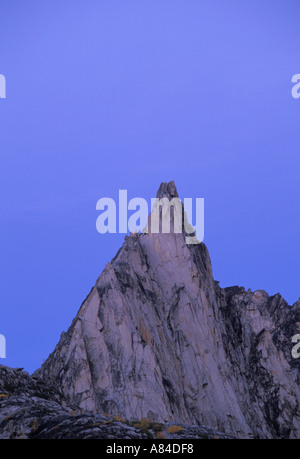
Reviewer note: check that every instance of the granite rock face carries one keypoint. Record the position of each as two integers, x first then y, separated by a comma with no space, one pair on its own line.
158,338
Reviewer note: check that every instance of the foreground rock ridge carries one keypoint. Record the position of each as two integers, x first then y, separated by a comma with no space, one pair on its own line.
157,338
32,409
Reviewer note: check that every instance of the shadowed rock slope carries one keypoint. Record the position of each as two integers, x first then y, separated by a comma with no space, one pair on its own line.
158,338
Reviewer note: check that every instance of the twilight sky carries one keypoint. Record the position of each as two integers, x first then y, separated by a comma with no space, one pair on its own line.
105,95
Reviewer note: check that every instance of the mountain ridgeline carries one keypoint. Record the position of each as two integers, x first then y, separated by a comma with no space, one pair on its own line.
158,338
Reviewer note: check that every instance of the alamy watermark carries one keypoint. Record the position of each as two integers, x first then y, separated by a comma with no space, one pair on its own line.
167,215
2,87
296,87
2,347
296,348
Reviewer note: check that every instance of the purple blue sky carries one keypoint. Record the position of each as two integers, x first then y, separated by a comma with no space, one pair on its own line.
112,94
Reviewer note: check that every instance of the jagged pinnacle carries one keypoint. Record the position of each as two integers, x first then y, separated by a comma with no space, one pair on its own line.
167,190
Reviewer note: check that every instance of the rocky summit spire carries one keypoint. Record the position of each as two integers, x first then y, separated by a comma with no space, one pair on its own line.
167,190
158,338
